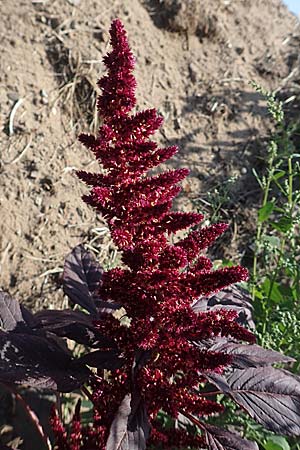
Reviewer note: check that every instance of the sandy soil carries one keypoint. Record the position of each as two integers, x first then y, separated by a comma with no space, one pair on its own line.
194,63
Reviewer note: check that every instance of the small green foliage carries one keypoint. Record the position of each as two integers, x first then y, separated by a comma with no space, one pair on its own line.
275,283
275,280
276,443
265,211
217,199
274,106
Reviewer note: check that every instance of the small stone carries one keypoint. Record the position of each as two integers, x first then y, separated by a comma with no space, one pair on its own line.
244,170
193,72
34,174
38,201
14,96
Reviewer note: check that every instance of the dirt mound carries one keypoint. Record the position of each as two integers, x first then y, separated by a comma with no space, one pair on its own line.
194,63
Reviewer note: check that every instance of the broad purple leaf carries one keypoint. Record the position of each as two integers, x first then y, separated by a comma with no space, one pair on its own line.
271,396
130,428
233,297
10,312
105,308
81,277
28,317
108,359
38,361
138,423
141,358
244,356
57,318
219,439
219,381
75,325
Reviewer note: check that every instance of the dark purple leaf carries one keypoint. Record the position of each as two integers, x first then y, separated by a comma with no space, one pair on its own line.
219,381
138,423
28,317
109,359
244,356
56,318
75,325
10,312
81,278
130,428
106,307
141,358
38,361
219,439
234,298
271,396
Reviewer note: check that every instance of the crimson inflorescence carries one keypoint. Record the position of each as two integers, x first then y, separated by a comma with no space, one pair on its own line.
159,279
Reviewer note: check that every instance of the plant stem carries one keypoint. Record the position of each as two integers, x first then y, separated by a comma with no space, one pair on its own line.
260,225
87,393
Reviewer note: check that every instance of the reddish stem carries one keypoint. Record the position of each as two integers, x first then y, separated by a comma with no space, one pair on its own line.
31,414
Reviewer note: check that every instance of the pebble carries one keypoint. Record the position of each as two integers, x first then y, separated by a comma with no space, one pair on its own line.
193,72
14,96
38,201
44,95
34,174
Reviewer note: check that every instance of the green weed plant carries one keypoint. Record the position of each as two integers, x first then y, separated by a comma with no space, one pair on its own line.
275,281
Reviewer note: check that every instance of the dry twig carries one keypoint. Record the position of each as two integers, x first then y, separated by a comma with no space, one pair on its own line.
12,116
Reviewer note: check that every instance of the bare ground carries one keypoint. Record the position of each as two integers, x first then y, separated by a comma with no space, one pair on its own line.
194,63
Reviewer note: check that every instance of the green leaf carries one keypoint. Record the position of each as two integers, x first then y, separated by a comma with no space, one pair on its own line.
276,443
272,291
279,174
284,224
227,263
258,294
265,211
86,412
278,209
272,446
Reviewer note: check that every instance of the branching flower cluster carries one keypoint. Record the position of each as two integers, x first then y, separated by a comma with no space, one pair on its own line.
159,338
161,280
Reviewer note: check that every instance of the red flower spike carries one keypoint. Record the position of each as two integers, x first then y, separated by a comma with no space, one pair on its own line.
201,239
161,281
76,433
202,263
59,431
205,283
119,85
